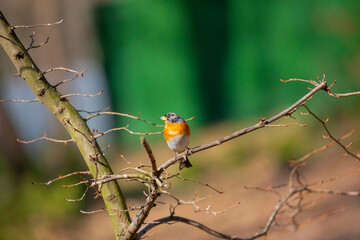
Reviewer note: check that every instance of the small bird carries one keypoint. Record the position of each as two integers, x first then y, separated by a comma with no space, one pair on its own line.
177,136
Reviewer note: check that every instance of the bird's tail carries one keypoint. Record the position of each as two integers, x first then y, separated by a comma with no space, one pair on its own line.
184,163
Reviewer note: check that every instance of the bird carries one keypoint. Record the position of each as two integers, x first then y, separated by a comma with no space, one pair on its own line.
177,136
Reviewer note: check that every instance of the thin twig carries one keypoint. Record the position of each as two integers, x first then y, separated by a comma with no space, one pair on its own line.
64,69
77,74
22,101
267,189
334,192
200,183
47,139
123,115
285,125
92,112
207,210
317,150
64,176
332,179
31,45
330,135
95,211
79,199
37,25
338,95
81,94
100,134
320,217
131,176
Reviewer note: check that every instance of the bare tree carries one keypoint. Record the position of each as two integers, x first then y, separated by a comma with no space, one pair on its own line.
156,178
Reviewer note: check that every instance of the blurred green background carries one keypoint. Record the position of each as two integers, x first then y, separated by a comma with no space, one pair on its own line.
223,59
220,61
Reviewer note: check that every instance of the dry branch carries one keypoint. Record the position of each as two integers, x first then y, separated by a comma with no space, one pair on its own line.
338,95
100,134
68,96
174,219
323,123
334,192
31,46
123,115
286,112
36,25
80,173
317,150
47,139
22,101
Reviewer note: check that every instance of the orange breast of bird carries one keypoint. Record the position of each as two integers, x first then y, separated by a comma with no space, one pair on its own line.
175,129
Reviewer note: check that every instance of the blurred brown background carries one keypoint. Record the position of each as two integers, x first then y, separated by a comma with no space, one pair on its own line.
219,61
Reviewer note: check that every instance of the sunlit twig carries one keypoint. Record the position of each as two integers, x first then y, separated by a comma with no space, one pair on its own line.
37,25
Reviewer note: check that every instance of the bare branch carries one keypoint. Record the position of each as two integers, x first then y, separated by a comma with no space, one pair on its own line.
330,135
179,201
200,183
111,210
144,212
79,199
31,45
332,179
285,125
320,217
334,192
100,134
123,115
77,74
286,112
189,119
207,210
210,231
37,25
114,177
267,189
175,219
95,211
47,139
65,176
317,150
92,112
338,95
64,69
68,96
22,101
298,80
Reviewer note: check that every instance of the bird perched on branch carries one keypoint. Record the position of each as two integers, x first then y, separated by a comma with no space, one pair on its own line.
177,136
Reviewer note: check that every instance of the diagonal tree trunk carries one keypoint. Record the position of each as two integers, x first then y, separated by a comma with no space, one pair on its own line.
72,122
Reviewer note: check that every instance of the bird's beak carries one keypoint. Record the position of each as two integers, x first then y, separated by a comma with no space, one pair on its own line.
163,118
